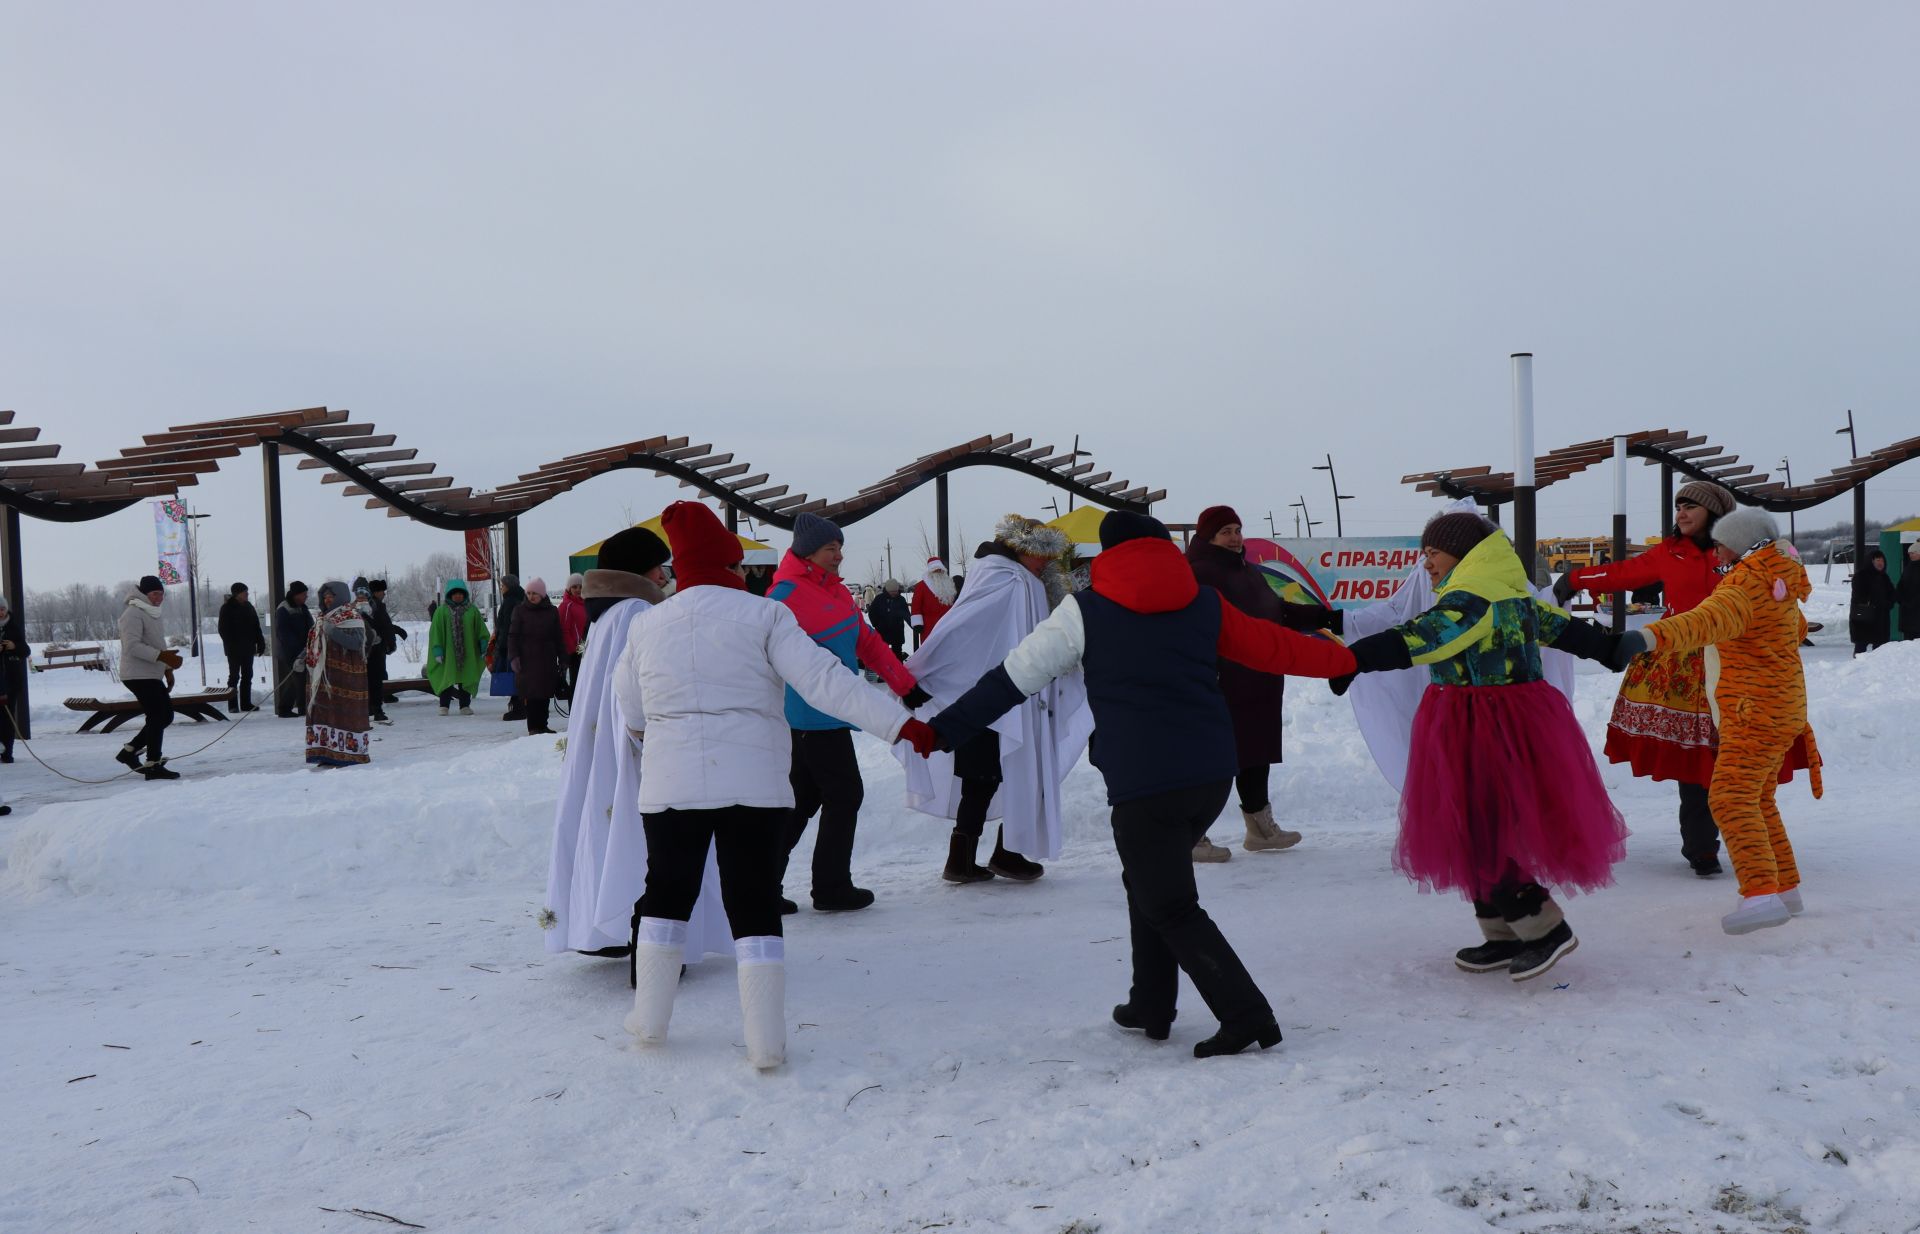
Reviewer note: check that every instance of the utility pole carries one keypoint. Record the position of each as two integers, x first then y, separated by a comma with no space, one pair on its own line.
1311,521
1338,496
889,558
1270,528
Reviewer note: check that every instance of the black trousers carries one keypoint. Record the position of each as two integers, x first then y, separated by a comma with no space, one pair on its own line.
977,764
573,678
157,706
826,778
1699,836
537,714
1513,899
1171,932
240,681
377,684
290,699
1251,784
454,694
748,849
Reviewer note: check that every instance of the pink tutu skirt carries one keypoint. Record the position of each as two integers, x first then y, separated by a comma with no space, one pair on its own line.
1502,788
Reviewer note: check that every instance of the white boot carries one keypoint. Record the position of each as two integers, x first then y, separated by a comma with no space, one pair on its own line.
1756,913
1795,905
657,957
763,998
1264,833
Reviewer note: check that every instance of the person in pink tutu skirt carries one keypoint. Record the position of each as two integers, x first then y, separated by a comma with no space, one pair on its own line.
1503,798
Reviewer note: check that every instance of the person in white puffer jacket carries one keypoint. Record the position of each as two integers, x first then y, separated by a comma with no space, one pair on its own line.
146,668
701,684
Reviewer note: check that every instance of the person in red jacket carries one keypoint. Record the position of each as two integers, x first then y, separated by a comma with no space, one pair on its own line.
573,629
932,597
1662,723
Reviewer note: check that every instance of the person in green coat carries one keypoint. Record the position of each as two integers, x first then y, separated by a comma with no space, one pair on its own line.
456,649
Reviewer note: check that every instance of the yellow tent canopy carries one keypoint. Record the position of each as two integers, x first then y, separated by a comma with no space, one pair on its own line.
757,554
1912,524
1082,526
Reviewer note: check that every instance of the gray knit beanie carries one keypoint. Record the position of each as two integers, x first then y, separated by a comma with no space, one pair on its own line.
1745,529
811,533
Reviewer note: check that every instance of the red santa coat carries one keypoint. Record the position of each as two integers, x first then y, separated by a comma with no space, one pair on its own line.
927,610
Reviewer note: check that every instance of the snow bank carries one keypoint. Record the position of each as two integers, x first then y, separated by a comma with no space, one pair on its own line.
481,814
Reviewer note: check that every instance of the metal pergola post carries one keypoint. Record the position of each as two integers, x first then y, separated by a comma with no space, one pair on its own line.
1620,598
1666,498
513,546
1525,534
940,519
276,562
13,578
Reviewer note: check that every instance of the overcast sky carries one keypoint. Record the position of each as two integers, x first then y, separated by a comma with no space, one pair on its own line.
1219,241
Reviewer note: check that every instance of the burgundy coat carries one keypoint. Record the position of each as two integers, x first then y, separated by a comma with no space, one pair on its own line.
537,645
1253,697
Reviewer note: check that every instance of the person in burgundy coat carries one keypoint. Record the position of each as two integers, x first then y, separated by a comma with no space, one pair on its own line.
1219,560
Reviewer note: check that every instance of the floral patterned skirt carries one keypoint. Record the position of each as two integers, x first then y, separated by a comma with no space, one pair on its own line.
337,721
1662,723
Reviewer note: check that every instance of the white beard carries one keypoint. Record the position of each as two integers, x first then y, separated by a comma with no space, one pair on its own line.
942,584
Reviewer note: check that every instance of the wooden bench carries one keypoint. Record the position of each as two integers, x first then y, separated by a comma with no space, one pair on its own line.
75,657
112,713
396,686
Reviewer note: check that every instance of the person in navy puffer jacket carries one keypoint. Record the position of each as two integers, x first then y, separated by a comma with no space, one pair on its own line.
825,772
1150,638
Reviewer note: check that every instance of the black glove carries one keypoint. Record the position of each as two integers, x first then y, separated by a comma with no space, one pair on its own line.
1587,639
1625,648
1380,653
1563,589
1339,684
916,698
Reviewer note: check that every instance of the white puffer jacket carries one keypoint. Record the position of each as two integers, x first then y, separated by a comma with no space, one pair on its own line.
142,639
706,671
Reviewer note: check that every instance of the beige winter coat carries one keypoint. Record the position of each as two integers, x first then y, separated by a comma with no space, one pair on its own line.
142,639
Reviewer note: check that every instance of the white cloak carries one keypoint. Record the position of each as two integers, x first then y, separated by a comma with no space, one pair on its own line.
1384,703
599,863
1040,740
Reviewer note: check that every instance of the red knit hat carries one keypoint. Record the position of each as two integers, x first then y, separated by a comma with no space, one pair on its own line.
702,546
1212,519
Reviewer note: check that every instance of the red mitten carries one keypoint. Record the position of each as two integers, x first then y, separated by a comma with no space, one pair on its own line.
920,735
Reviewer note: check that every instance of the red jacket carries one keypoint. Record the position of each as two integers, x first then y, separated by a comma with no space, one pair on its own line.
826,611
573,624
1687,573
927,610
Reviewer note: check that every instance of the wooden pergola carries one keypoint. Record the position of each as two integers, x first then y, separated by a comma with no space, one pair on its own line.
367,464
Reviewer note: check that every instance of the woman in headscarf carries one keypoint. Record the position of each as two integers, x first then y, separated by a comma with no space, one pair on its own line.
336,660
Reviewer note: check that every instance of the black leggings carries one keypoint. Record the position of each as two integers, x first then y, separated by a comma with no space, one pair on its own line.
747,842
1171,932
157,706
452,694
977,763
1252,786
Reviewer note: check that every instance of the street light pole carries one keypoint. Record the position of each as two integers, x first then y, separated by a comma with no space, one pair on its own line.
193,589
1859,497
1338,496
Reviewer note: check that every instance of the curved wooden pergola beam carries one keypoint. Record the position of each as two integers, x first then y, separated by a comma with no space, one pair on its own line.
1679,452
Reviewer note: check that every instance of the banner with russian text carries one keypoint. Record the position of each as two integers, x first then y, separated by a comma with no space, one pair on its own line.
1336,573
170,538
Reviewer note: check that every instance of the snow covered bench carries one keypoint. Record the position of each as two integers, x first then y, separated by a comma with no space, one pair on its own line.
112,713
74,657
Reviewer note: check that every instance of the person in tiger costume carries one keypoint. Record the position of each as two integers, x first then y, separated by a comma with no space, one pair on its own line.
1753,627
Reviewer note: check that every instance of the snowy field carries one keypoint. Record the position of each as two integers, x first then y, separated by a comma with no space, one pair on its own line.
263,997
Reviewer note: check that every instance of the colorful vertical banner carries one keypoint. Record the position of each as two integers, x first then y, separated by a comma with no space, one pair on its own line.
479,554
1335,573
170,538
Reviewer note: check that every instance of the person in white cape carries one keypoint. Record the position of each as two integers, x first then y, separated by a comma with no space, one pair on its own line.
1384,703
1013,770
599,863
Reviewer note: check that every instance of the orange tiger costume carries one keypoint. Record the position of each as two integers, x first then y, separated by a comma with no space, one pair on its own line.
1753,621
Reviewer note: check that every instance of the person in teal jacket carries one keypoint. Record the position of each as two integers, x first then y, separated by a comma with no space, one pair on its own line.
456,649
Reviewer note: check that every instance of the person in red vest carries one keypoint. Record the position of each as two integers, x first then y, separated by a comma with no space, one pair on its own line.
932,597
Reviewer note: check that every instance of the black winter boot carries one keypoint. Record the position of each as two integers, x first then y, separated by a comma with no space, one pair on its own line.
1540,954
842,899
961,866
1239,1037
128,757
1156,1030
159,771
1012,865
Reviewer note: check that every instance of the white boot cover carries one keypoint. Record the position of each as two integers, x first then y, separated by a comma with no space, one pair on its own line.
656,977
763,998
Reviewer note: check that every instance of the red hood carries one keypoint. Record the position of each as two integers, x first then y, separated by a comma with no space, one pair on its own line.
1146,575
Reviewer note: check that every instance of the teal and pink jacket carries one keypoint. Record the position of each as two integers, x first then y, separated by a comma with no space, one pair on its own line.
826,611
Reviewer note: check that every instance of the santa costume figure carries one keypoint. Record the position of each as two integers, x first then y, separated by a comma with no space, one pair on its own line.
932,597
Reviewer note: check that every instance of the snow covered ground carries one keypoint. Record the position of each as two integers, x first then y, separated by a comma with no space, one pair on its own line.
265,997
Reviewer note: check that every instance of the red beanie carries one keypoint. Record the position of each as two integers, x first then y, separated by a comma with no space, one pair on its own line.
1212,519
702,546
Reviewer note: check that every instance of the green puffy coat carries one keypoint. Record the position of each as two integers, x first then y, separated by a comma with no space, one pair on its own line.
444,639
